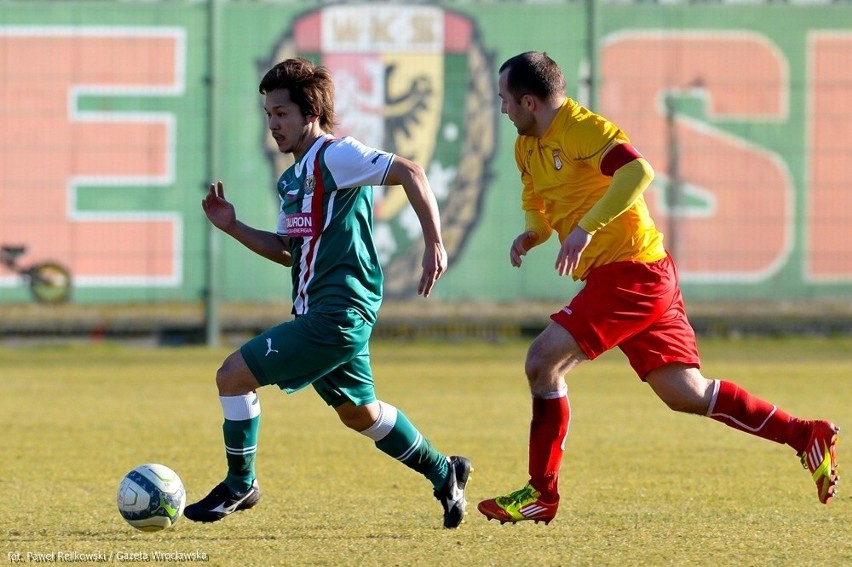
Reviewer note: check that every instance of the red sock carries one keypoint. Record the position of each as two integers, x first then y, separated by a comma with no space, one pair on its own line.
736,408
548,430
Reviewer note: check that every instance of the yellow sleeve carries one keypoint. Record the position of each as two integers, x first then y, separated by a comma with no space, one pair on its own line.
628,183
532,204
536,222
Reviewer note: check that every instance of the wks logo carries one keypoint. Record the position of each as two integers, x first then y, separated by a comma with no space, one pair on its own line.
415,81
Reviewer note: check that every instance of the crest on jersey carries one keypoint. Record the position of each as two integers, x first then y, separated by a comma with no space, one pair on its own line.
414,81
310,183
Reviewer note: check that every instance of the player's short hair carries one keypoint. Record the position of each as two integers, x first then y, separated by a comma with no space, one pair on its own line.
535,73
310,86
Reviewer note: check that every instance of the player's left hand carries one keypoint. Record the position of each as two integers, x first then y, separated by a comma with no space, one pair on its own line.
434,265
571,250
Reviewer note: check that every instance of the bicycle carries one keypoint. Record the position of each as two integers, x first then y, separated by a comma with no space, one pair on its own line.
49,282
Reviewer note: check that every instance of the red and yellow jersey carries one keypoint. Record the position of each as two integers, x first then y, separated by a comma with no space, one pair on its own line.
561,174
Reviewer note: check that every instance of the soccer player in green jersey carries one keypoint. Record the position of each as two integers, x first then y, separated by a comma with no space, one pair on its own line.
325,235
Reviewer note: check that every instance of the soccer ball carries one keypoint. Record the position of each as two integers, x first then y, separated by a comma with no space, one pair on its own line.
151,497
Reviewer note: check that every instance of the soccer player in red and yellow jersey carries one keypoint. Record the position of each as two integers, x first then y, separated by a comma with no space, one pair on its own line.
583,179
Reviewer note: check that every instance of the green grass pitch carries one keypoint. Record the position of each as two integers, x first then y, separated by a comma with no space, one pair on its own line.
640,484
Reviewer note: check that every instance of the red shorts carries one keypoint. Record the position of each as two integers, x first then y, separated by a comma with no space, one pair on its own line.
637,307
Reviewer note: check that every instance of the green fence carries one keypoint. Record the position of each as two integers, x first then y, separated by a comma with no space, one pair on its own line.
115,116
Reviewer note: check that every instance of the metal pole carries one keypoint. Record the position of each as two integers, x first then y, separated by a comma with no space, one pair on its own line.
594,32
674,194
211,295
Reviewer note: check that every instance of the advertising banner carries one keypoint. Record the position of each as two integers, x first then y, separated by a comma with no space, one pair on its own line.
116,117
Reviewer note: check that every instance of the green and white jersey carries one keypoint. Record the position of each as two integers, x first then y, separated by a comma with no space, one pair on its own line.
327,212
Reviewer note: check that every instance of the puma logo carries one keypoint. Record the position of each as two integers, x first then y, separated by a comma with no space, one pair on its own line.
269,349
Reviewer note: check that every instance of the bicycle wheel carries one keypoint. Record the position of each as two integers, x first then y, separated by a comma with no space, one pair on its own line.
50,282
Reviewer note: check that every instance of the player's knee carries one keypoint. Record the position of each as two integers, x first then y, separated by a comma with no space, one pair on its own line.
540,368
357,418
683,391
233,377
351,422
534,369
550,357
683,405
223,381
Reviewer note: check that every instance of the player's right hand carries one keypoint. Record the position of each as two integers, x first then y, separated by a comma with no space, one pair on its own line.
217,208
521,246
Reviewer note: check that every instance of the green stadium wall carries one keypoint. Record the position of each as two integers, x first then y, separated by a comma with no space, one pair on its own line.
115,116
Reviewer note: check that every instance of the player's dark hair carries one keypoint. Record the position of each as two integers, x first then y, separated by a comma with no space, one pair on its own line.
311,88
535,73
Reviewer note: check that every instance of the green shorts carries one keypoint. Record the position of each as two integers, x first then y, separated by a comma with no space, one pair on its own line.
329,350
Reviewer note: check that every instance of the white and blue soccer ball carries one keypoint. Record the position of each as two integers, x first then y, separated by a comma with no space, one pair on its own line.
151,497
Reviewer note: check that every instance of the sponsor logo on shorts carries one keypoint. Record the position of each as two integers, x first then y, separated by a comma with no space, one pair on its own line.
269,349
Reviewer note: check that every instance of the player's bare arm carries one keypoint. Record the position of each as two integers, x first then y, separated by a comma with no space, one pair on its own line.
416,186
521,245
223,216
